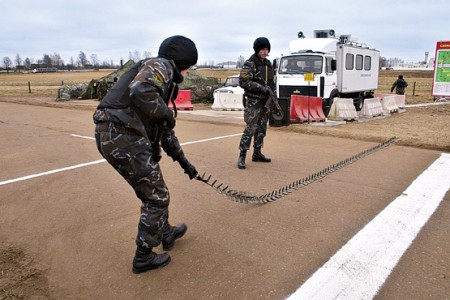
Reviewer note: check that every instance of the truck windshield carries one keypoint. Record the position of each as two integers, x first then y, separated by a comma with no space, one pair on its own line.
232,81
301,64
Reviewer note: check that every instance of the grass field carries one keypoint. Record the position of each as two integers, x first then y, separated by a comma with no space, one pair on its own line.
47,84
43,84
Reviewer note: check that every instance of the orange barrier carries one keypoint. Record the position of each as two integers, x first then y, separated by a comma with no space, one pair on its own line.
183,100
298,109
306,107
318,110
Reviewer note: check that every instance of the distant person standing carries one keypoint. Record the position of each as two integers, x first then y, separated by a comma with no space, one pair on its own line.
257,80
94,89
102,89
399,85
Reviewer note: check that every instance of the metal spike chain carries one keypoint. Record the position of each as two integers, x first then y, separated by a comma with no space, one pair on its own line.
246,198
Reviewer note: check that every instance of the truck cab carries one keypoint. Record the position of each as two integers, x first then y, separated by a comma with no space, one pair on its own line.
340,68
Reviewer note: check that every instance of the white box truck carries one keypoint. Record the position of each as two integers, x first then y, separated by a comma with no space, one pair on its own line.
341,68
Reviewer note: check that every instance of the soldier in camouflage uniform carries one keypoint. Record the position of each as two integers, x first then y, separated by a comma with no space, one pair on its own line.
257,80
132,122
102,89
400,85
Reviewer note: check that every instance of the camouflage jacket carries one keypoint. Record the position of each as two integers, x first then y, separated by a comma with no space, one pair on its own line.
255,76
138,102
399,85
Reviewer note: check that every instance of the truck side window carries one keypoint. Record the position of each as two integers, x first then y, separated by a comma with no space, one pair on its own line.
359,62
367,63
328,66
349,61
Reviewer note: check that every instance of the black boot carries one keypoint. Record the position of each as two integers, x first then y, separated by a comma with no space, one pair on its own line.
241,161
145,260
258,156
175,233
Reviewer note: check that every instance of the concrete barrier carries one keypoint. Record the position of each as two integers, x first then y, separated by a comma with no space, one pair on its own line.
227,101
342,109
400,100
389,103
372,107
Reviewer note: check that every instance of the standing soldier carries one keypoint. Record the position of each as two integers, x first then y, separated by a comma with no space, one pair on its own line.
400,85
257,80
94,89
133,122
102,89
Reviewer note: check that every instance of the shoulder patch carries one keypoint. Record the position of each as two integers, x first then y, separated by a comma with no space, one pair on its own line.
158,78
156,72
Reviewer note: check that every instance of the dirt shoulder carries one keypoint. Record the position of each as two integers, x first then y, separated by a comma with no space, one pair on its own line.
419,126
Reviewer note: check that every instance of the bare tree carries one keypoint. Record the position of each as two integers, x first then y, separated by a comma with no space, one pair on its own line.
18,60
135,56
147,54
27,63
241,61
94,60
56,60
7,63
47,61
82,59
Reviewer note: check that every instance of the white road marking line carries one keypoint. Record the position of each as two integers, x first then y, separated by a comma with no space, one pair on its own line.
98,161
211,139
360,268
83,137
51,172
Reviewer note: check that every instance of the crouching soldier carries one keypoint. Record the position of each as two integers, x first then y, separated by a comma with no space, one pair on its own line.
132,122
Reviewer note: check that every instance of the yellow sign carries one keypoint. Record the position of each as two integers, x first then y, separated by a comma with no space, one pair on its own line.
309,76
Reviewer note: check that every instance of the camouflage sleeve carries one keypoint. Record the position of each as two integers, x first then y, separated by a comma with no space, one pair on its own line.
170,144
147,88
247,79
393,86
271,81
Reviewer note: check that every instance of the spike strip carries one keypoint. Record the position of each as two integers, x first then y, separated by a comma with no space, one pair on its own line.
246,198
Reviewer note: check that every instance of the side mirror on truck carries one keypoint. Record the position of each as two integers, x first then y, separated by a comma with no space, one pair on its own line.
333,65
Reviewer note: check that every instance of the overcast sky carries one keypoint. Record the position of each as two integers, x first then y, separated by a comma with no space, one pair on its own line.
223,30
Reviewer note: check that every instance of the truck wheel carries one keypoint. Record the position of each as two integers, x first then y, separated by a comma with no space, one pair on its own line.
359,102
326,106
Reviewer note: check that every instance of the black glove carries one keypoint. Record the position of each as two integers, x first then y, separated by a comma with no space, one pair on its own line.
170,123
267,90
155,158
187,167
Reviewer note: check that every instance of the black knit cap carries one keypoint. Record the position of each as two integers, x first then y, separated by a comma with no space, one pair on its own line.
181,50
261,43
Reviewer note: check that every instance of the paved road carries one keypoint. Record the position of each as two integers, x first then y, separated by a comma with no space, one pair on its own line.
79,223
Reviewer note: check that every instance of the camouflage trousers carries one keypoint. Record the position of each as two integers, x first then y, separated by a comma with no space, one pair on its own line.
256,116
132,157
